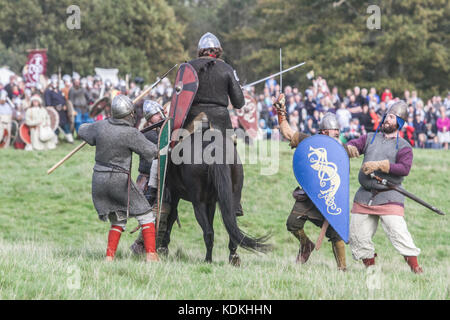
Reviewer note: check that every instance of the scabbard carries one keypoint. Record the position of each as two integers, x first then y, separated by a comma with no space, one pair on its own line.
418,200
395,187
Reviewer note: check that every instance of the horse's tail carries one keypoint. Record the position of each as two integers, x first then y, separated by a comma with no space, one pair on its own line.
220,174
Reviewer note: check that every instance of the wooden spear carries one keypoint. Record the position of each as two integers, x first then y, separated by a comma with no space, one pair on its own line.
136,100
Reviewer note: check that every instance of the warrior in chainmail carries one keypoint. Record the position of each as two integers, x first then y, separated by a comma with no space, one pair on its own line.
304,209
147,180
114,194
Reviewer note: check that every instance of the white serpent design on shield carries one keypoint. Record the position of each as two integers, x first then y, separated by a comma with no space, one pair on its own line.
328,176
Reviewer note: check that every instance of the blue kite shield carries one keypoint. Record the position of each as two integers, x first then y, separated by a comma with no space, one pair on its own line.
321,166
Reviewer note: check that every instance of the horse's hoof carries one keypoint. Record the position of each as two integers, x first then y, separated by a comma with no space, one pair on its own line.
235,260
208,260
163,251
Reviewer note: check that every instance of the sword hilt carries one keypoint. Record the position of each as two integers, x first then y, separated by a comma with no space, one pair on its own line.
379,180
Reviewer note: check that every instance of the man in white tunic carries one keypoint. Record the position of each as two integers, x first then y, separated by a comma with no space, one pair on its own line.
37,118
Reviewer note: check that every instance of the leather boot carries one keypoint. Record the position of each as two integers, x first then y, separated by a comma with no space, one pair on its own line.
413,264
138,247
369,262
306,246
339,254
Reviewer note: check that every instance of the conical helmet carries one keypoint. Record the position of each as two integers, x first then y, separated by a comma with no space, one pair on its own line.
400,109
329,122
208,40
151,108
121,106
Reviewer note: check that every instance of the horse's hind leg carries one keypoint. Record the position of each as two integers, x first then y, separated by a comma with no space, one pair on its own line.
234,258
201,214
237,178
237,172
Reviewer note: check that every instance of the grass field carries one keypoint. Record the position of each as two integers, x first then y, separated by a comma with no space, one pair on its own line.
52,244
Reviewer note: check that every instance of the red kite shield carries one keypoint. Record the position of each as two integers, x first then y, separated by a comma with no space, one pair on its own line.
248,116
185,88
24,133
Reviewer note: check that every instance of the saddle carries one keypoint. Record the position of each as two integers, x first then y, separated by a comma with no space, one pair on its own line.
201,121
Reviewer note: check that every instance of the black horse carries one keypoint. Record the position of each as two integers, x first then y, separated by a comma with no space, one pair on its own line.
204,185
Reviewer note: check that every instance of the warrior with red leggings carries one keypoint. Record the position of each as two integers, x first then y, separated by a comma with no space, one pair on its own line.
115,195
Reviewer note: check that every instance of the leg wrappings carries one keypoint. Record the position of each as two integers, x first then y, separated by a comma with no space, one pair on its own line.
339,254
113,240
148,233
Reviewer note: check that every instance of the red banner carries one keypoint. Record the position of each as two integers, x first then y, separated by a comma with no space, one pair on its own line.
248,116
35,67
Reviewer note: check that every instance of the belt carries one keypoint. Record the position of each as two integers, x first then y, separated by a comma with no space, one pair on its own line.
374,193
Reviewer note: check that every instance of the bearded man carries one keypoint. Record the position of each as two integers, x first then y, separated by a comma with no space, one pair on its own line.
389,157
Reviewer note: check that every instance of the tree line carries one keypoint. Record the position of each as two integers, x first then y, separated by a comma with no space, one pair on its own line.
411,50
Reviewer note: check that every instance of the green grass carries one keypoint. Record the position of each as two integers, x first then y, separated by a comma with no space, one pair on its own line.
49,228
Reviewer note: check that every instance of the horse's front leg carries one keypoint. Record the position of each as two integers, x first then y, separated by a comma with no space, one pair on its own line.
164,233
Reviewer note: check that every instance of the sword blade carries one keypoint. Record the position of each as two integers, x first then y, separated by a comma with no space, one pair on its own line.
146,91
136,100
273,75
281,75
163,76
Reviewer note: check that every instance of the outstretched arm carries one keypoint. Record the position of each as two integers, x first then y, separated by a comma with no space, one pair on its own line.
88,132
294,137
142,146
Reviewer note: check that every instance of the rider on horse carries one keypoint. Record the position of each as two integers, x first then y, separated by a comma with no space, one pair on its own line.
218,84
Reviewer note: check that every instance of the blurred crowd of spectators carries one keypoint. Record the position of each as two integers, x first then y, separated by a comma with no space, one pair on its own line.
358,110
82,92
